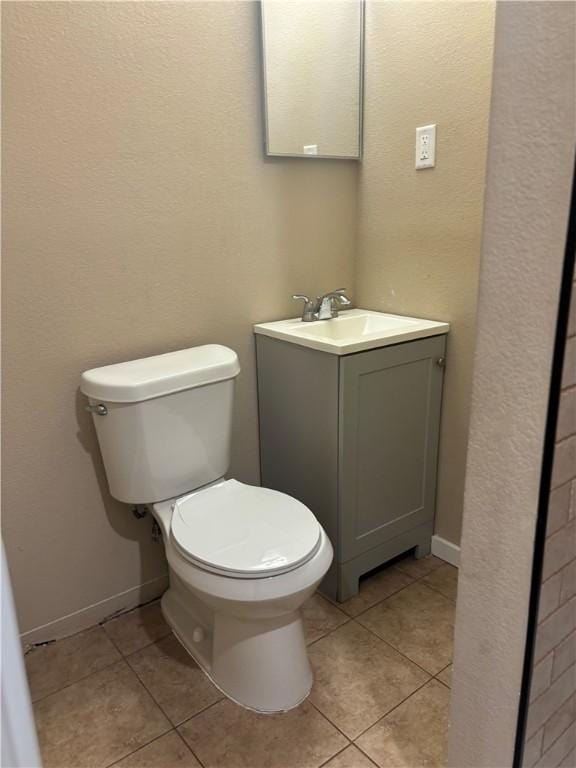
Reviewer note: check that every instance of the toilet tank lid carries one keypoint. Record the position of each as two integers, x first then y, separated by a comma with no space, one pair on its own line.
138,380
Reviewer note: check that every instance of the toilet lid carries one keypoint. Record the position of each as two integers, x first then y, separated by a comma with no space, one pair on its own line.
240,529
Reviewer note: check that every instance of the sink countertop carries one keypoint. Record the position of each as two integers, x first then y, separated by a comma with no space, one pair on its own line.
354,330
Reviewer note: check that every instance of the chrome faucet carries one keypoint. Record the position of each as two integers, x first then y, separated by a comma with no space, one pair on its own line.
323,307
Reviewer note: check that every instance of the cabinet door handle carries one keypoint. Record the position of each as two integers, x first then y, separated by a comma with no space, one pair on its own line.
441,362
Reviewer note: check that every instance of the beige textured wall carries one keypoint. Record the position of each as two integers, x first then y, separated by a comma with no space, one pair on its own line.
420,231
139,217
527,206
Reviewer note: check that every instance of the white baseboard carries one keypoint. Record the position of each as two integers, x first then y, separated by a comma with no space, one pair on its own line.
445,550
94,614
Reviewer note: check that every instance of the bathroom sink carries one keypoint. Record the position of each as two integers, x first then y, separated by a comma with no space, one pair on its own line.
354,330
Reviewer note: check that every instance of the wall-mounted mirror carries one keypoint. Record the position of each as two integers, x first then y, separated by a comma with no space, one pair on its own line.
312,58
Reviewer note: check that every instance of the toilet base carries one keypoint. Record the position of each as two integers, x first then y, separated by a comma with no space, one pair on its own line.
261,664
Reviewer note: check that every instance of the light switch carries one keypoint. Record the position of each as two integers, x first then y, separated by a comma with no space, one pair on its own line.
310,149
426,146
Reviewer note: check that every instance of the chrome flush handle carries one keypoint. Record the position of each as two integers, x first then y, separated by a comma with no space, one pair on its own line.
99,410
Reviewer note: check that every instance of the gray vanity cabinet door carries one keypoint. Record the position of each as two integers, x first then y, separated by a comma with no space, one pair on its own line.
389,414
298,410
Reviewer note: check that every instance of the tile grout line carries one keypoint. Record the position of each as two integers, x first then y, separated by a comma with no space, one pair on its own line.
137,650
123,658
366,755
354,618
350,618
351,744
183,740
175,727
442,683
400,589
358,747
430,678
161,708
79,680
438,592
145,647
332,631
340,731
225,698
388,713
142,746
414,579
157,738
335,755
430,674
329,632
205,709
378,602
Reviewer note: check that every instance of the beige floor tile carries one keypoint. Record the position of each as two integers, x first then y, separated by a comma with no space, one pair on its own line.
415,735
446,676
320,617
375,588
51,667
419,622
443,580
418,568
169,751
97,720
228,736
135,630
358,678
351,757
174,679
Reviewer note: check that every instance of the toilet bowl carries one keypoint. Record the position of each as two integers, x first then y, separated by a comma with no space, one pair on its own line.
242,625
242,559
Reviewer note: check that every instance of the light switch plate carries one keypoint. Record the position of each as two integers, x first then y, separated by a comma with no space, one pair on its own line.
426,146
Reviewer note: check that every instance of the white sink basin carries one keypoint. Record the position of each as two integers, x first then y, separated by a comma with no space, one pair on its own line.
354,330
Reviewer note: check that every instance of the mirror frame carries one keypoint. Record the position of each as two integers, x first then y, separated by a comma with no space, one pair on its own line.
361,68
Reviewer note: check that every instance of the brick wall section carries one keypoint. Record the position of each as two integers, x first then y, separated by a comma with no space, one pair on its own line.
551,729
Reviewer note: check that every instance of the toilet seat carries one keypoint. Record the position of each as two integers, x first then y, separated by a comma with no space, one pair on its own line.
244,532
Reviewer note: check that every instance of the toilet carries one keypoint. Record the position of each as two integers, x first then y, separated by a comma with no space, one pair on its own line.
242,559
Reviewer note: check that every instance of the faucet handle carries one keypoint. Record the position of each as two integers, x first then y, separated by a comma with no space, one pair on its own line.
339,292
328,304
339,295
309,311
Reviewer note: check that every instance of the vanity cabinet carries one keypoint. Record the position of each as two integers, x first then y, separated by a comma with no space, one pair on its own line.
355,438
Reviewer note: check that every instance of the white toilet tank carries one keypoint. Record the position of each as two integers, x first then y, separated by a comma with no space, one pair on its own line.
164,422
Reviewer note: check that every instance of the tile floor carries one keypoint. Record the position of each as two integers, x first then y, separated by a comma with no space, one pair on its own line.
126,694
